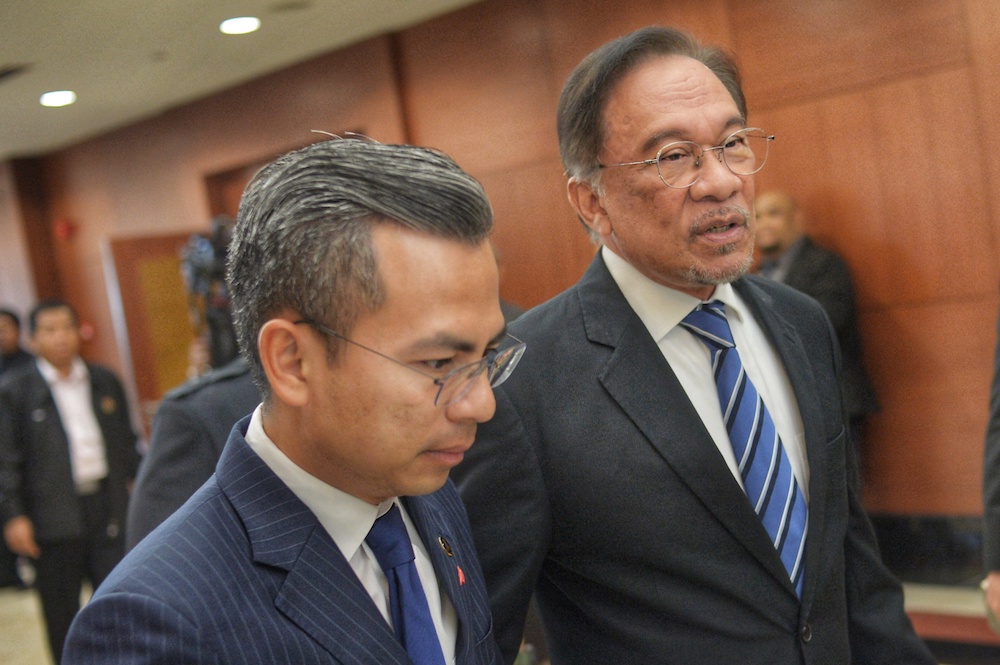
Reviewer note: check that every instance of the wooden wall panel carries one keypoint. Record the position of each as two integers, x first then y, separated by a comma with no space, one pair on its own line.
577,28
26,204
983,20
477,84
17,283
544,247
932,371
892,177
803,49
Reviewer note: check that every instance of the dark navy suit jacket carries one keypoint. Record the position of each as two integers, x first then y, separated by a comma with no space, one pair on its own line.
245,573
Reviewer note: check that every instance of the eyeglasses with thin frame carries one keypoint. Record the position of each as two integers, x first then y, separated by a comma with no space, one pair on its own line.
456,384
679,163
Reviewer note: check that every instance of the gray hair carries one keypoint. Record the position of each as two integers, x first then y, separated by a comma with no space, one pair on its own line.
580,119
302,240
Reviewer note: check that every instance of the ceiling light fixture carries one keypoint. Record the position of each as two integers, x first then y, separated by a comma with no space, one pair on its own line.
58,98
239,25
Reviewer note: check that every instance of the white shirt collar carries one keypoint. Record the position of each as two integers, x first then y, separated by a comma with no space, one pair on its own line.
345,517
659,307
78,371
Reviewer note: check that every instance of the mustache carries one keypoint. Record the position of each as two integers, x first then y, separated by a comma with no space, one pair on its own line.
717,216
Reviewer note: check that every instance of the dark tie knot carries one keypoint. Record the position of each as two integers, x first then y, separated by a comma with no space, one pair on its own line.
389,540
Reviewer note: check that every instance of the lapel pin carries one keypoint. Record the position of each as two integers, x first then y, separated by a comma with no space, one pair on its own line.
461,576
108,405
445,545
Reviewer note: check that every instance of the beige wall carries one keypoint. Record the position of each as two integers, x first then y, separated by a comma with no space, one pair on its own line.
17,288
884,117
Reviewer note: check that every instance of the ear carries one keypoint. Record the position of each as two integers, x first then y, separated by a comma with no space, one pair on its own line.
589,206
283,352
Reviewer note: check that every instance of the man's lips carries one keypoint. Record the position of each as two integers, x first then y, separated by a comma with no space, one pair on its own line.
452,454
721,228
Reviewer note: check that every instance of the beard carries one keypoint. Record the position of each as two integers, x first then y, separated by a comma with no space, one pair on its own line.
724,275
714,277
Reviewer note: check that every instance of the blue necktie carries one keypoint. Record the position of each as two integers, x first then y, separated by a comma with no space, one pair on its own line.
411,617
767,475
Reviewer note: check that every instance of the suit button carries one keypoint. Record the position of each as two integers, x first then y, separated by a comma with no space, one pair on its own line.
806,633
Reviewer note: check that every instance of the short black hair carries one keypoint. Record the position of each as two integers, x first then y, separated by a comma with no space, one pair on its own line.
45,306
12,315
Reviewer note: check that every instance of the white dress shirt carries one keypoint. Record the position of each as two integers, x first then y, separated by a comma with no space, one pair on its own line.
348,520
661,309
75,405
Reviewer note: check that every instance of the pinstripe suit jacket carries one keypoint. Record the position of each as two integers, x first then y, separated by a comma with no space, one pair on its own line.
244,573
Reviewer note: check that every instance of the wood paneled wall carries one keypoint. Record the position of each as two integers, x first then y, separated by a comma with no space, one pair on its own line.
885,124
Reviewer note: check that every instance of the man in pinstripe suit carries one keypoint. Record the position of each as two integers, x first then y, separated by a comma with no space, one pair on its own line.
366,301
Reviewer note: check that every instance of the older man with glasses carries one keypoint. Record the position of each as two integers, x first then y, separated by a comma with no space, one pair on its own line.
366,301
669,471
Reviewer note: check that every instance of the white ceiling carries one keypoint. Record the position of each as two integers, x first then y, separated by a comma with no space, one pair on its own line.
130,59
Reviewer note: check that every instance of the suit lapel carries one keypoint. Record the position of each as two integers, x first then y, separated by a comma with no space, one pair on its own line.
39,406
451,559
321,593
799,370
641,381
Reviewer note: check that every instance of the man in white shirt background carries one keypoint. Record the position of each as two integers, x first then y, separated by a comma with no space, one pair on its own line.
67,455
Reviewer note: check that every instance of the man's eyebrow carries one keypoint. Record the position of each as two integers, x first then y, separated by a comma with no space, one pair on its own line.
660,139
450,341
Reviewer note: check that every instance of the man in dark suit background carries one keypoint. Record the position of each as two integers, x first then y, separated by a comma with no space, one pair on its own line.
789,256
12,355
193,421
366,301
12,358
67,455
188,435
607,482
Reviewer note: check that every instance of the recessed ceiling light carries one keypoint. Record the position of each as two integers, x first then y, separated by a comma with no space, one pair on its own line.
58,98
240,25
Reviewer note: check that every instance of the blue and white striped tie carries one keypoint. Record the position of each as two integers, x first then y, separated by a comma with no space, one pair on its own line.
770,484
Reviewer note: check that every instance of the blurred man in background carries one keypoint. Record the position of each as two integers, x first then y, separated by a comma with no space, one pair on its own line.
789,256
67,457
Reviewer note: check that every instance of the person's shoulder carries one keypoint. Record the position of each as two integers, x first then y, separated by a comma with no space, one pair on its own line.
19,360
102,372
237,370
17,377
183,539
819,254
548,319
770,300
563,305
778,295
